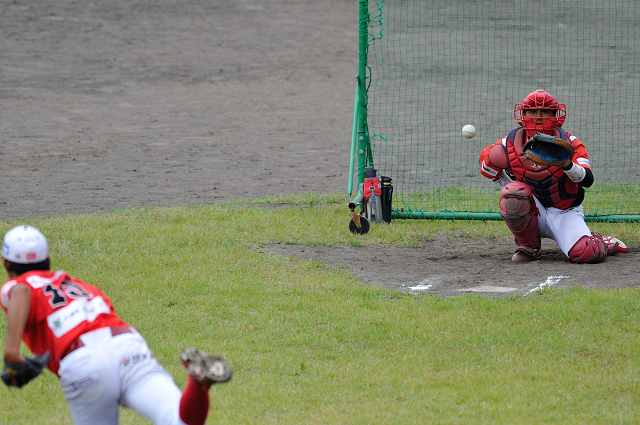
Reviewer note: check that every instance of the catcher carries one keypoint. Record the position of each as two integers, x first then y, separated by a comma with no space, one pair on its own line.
543,171
101,361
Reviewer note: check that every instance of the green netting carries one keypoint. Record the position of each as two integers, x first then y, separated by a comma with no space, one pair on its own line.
436,66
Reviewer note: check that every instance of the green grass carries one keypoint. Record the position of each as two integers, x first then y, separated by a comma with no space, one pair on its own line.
309,344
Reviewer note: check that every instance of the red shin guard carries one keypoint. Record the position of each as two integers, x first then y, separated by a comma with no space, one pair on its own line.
519,212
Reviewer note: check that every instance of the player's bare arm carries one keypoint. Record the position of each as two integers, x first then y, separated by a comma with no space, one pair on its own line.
17,313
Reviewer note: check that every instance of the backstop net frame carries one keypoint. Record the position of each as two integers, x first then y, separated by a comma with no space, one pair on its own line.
427,68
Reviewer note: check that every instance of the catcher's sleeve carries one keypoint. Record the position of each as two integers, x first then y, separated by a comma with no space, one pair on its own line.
493,160
503,179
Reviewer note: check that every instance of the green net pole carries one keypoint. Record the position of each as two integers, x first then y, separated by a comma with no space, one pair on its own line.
354,142
365,155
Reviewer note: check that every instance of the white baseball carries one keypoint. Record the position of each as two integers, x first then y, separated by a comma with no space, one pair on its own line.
468,131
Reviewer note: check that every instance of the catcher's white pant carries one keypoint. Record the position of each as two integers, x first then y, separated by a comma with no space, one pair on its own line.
565,227
109,371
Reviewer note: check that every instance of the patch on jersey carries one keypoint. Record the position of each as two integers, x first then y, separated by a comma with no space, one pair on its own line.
489,170
584,161
63,320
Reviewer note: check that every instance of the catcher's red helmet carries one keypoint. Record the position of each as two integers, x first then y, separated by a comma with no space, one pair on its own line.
540,100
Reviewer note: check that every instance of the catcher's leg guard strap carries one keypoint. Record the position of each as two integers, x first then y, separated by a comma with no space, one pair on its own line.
588,249
518,210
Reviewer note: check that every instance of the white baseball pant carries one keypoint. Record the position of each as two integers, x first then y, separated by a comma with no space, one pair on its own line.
109,371
565,227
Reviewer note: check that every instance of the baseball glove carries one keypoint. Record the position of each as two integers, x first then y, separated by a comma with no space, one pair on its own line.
547,150
18,374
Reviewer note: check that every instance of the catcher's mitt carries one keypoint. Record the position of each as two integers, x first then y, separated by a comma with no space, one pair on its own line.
18,374
547,150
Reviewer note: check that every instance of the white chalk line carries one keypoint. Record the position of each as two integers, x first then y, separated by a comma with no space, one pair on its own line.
551,280
428,283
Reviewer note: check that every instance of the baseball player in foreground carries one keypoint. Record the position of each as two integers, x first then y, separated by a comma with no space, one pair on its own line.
101,361
539,201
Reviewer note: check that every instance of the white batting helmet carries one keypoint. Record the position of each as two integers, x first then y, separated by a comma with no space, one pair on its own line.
25,245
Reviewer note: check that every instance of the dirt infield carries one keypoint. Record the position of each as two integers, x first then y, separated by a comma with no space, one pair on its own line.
468,267
109,105
130,103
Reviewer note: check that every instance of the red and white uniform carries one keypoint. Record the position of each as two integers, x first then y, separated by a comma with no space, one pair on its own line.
539,201
62,309
552,187
106,370
558,199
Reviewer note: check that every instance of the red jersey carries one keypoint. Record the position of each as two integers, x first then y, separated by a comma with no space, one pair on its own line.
61,310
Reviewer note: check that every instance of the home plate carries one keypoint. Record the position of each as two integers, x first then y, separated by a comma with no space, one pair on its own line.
426,284
489,288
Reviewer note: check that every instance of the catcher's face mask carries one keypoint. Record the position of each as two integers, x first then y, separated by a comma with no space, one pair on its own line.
540,100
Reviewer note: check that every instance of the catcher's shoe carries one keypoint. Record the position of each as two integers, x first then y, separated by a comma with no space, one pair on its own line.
524,254
614,245
204,368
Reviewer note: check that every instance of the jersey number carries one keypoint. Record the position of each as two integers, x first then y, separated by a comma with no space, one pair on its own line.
59,295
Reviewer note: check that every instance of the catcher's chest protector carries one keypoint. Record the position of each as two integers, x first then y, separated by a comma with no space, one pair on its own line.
550,184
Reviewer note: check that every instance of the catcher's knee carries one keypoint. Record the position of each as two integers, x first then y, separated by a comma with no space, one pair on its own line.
518,210
516,202
588,249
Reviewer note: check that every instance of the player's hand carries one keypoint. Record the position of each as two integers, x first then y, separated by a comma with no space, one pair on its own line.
19,374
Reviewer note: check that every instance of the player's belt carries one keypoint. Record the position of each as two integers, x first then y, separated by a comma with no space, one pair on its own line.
77,343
